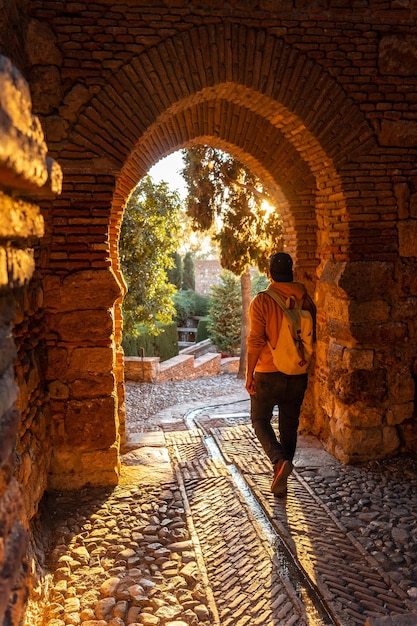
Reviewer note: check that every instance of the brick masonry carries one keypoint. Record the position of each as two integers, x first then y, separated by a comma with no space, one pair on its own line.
317,98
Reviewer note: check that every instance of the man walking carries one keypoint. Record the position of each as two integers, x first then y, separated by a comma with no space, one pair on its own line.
266,385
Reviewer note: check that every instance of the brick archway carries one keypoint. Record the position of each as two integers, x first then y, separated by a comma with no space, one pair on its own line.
317,98
293,125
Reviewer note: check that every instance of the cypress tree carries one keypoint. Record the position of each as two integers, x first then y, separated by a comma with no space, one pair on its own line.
225,314
175,273
188,278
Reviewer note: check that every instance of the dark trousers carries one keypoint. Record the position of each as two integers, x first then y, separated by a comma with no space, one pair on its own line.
287,392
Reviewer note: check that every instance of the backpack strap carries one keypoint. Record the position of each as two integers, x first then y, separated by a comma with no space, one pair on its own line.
288,304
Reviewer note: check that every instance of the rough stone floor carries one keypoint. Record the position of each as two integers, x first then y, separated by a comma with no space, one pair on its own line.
192,535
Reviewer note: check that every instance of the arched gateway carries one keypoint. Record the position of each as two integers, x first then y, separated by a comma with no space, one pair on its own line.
318,102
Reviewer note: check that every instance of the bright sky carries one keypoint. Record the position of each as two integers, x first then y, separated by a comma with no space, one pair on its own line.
167,170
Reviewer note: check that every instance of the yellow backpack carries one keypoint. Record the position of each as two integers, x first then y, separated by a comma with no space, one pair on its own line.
294,349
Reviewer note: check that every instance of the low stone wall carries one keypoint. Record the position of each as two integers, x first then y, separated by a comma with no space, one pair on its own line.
181,367
230,365
207,365
142,369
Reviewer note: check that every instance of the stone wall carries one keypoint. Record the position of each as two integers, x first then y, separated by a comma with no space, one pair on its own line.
317,98
26,174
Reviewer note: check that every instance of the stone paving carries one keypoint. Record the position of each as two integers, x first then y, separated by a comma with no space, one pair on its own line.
177,542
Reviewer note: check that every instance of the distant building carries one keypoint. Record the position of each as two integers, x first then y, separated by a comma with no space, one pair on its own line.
207,274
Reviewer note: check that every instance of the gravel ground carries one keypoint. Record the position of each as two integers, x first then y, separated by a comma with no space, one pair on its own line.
146,401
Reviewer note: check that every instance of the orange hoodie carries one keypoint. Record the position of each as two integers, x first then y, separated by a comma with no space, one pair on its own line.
266,318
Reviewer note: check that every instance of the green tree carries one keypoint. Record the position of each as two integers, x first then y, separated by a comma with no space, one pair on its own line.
188,278
225,193
224,315
259,283
148,238
175,274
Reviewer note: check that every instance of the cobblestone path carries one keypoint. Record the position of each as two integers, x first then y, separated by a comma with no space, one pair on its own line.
179,543
246,583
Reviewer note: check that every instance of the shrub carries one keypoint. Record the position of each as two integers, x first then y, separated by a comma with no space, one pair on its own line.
188,304
201,304
184,305
202,329
164,345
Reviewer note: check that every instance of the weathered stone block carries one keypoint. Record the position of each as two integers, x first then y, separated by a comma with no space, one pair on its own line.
72,470
408,277
19,219
94,361
87,289
366,280
22,149
366,386
354,444
90,424
399,133
56,364
357,416
58,390
369,312
413,208
89,326
391,442
388,334
401,383
93,385
398,55
398,413
402,194
356,358
46,88
407,238
20,266
90,289
73,102
41,45
337,308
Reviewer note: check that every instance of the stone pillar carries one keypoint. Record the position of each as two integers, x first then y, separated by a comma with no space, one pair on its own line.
364,385
80,377
26,174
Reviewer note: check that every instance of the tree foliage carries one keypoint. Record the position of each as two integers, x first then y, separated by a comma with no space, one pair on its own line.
224,193
148,238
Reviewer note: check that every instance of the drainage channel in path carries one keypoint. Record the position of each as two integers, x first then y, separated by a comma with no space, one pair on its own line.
316,611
